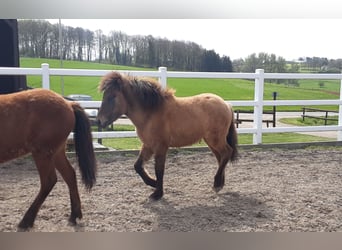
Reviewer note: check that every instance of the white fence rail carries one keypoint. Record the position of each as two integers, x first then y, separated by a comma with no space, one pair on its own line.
162,74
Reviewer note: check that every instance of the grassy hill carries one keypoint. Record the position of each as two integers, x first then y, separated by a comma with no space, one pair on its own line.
72,84
228,89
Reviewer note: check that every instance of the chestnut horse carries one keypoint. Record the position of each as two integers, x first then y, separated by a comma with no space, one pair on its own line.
163,120
39,121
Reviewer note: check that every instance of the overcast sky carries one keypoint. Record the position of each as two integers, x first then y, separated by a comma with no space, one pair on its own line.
236,38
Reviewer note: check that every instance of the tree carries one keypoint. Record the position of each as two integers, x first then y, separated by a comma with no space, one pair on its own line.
89,42
99,39
251,63
80,33
226,64
33,37
151,51
238,65
211,61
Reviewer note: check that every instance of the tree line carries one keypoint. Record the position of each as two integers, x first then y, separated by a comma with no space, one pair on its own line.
39,38
277,64
321,64
270,63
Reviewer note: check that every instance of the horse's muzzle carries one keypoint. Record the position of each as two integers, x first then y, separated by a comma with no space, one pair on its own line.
104,121
101,124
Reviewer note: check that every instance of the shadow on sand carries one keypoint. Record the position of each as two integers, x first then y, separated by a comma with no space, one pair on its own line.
234,212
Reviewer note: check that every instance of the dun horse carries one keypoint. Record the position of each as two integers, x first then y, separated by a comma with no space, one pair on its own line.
163,120
39,122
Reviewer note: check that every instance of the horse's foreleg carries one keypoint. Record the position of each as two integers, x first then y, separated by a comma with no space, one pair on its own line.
68,173
144,155
48,179
159,169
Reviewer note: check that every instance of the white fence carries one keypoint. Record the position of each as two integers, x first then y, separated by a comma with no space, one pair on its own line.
162,74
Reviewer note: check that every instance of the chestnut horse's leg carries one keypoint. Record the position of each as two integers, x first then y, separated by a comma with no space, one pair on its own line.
48,179
68,173
144,155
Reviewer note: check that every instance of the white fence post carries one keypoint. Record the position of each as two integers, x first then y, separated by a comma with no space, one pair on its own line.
258,108
45,76
339,133
162,78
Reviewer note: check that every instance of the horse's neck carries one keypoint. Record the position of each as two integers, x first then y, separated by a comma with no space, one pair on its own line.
138,118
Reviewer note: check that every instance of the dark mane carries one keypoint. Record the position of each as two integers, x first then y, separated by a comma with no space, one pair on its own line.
146,91
110,81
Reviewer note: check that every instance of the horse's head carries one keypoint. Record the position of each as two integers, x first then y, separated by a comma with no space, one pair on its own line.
113,102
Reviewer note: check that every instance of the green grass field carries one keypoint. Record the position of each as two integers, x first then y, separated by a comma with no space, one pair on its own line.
228,89
309,121
244,139
72,84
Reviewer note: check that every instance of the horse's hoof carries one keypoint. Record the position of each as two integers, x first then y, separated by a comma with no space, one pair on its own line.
22,229
218,184
156,196
24,226
217,189
72,222
74,216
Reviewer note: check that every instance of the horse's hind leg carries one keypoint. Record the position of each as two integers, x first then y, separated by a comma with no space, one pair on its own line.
219,178
223,154
68,173
48,179
144,155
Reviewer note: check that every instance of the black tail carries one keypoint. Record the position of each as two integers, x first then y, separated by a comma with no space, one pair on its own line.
232,139
84,147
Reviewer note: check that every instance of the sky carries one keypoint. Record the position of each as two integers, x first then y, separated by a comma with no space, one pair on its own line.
236,38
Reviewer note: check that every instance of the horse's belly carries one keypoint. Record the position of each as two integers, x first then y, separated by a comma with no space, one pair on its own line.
7,154
184,139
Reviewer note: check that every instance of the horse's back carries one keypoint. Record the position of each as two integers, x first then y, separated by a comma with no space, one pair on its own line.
202,107
192,118
33,120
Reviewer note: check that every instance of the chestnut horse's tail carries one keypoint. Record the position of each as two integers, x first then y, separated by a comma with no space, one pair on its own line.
232,139
84,146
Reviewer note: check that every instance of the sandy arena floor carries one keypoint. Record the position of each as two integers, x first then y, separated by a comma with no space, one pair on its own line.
266,190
